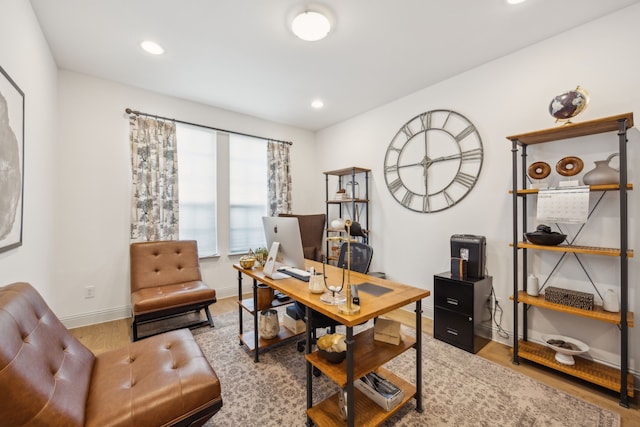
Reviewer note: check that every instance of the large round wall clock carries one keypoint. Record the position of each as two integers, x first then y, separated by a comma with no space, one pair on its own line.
433,161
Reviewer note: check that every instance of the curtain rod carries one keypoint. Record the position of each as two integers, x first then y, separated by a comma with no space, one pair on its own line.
139,113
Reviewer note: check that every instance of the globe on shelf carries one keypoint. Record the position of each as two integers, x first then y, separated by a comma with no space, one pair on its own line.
569,104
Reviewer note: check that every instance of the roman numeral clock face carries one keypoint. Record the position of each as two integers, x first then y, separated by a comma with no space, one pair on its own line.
433,161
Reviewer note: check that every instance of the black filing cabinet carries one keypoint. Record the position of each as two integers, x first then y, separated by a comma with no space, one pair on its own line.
460,305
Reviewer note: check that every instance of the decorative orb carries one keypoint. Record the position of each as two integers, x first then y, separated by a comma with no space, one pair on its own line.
569,104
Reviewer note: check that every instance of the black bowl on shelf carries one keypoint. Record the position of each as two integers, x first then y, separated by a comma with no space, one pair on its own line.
332,356
545,239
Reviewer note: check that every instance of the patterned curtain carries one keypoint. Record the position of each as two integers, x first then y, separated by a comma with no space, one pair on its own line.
154,165
279,178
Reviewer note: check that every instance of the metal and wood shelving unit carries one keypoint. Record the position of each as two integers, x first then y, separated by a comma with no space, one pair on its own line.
252,339
619,380
356,207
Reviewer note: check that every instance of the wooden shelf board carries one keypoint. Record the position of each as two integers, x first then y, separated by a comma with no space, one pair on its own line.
367,412
585,369
335,201
606,187
591,250
247,304
597,313
342,230
347,171
368,353
573,130
285,334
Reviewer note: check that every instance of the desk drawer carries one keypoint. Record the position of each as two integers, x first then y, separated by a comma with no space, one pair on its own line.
453,328
454,296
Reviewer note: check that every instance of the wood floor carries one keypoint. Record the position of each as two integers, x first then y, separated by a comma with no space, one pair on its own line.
105,336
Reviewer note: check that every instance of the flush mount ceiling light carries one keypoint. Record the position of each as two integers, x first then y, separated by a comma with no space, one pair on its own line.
152,47
317,104
515,1
311,26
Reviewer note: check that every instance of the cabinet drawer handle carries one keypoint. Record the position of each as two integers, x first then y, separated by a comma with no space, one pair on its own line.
452,301
452,331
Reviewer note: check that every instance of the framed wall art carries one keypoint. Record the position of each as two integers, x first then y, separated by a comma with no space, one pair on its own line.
11,162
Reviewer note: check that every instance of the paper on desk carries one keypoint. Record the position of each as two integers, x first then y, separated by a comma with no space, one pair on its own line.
568,205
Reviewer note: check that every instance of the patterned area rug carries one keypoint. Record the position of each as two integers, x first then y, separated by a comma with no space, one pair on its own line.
459,388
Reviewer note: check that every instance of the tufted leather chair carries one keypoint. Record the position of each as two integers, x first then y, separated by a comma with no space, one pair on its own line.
48,378
166,282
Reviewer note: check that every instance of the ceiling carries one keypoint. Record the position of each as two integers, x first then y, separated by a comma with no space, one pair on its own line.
240,55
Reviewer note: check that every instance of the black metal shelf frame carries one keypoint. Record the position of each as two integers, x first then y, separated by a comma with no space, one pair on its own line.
519,180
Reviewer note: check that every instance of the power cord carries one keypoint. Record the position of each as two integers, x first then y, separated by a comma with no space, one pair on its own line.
496,314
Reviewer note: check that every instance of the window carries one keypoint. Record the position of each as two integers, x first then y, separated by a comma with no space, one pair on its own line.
248,192
198,174
197,187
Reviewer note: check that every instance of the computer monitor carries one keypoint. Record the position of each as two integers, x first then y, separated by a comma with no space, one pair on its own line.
286,231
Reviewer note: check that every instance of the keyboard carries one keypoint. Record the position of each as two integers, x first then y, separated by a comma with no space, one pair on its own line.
296,272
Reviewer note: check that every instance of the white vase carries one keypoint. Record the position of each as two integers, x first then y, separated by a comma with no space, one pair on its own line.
338,224
603,173
610,301
533,287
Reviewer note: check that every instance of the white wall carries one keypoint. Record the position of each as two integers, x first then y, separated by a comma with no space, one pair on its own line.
93,187
505,97
25,56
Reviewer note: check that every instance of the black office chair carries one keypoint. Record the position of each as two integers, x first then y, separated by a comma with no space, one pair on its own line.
361,255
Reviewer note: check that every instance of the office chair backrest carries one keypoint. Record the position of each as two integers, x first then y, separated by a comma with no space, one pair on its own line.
361,255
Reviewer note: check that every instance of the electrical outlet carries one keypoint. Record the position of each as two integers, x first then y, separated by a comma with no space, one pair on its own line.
89,291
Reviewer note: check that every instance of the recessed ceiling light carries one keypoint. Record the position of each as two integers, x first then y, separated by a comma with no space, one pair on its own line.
317,104
311,26
515,1
152,47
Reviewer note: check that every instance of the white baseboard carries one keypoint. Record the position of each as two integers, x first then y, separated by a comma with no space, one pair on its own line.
102,316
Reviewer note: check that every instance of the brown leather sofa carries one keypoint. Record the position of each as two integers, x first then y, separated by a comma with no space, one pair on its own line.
166,282
311,232
48,378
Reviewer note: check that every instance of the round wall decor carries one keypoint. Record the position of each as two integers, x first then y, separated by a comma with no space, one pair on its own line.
433,161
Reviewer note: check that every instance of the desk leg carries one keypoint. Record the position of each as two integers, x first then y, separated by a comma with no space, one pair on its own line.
256,313
419,356
239,306
307,315
350,393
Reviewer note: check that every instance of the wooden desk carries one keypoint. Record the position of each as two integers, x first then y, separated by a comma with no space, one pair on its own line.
370,354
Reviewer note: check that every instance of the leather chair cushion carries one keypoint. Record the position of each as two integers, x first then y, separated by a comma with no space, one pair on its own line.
148,382
162,263
146,300
45,371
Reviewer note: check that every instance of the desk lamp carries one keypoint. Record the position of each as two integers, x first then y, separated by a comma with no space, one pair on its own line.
334,295
349,307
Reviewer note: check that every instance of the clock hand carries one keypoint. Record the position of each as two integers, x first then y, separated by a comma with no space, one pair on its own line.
422,163
426,162
444,158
